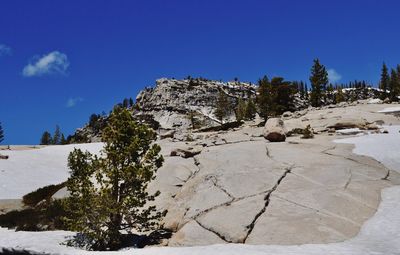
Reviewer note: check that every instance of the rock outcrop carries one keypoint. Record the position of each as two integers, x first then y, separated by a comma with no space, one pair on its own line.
171,101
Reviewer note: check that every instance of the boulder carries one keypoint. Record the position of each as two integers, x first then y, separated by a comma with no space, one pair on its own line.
3,156
274,130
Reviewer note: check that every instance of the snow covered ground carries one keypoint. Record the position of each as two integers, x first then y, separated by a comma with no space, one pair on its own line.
391,109
383,147
28,170
379,235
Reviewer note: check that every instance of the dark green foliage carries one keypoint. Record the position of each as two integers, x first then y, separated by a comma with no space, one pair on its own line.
275,97
63,141
318,79
385,80
46,138
97,122
264,97
240,110
223,107
56,136
394,86
283,93
108,193
1,133
251,110
45,193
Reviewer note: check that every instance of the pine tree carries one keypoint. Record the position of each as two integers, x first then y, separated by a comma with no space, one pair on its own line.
223,107
46,138
57,136
241,110
282,96
318,79
393,86
264,97
125,103
385,80
251,110
63,141
1,133
108,194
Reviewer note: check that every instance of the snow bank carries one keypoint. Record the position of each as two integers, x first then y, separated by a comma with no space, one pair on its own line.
27,170
383,147
379,235
391,109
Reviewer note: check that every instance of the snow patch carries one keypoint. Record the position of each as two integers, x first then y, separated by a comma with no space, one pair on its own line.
391,109
27,170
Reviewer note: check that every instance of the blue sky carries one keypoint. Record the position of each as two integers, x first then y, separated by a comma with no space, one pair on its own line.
60,61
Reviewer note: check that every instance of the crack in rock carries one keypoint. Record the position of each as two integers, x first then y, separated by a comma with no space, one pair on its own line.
349,179
268,153
386,178
267,200
322,211
356,161
223,238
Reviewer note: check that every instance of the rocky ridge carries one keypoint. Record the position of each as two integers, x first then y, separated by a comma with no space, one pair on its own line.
185,104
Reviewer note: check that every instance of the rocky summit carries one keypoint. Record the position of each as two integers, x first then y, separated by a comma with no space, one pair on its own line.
171,100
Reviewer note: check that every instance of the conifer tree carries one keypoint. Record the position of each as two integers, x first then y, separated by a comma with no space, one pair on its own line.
385,80
282,96
57,136
264,97
46,138
108,194
251,110
318,79
223,107
63,141
394,86
1,133
241,110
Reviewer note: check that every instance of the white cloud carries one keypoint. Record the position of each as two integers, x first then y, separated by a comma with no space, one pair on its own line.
4,50
71,102
334,76
54,62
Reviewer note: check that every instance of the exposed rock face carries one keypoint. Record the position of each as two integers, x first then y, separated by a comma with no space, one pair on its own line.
274,130
170,101
242,189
